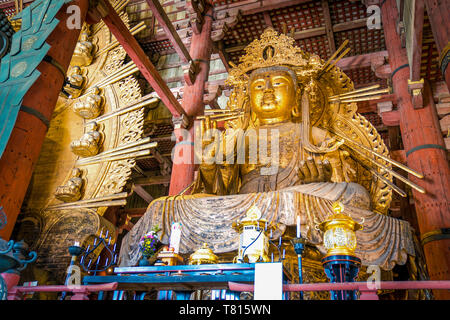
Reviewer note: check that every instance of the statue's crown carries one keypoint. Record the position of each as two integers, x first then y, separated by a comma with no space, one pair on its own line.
272,49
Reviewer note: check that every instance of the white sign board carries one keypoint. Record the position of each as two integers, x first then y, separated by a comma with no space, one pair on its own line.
268,281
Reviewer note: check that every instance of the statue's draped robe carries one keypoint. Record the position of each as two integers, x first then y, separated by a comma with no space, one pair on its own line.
384,241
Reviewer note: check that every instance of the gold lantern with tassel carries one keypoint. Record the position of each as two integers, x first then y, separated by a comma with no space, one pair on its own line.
339,232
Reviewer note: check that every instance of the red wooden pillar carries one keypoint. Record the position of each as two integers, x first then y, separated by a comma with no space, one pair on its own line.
425,152
24,145
439,14
192,102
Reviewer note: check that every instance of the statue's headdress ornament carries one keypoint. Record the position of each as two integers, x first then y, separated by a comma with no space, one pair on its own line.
272,49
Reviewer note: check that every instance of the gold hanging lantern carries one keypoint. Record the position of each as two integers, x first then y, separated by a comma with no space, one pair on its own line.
339,232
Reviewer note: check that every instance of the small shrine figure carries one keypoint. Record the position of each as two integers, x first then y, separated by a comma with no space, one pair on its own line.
71,191
82,55
74,83
91,107
89,144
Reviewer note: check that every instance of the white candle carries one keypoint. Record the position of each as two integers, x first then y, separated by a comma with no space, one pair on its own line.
298,226
76,244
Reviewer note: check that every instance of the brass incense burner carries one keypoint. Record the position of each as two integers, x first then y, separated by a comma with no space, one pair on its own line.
203,255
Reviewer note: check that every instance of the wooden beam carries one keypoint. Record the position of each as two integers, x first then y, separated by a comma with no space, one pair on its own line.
361,60
140,191
416,41
267,19
166,24
350,25
137,54
133,212
314,32
152,180
219,48
268,5
328,26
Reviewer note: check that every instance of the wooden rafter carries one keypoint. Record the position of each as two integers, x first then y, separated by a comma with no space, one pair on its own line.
152,180
416,34
140,191
361,61
267,19
171,33
267,5
314,32
328,26
189,68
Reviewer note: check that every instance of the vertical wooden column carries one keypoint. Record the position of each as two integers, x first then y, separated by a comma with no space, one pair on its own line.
439,14
192,103
24,145
425,152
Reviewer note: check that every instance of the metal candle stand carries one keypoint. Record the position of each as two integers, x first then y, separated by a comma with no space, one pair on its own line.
299,247
111,260
281,257
342,268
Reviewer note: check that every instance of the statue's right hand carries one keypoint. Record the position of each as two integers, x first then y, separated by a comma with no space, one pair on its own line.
315,170
209,136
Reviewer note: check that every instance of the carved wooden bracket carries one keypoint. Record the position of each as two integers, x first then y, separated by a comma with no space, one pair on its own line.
182,122
391,118
415,88
190,71
196,9
225,20
381,67
212,92
97,11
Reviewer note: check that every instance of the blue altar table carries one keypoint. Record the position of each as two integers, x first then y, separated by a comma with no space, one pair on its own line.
182,279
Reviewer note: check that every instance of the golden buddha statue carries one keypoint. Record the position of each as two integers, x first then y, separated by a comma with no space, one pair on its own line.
89,144
91,106
289,150
82,55
75,82
71,191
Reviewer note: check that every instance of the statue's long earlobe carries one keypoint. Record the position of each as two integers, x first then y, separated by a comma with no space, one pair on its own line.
296,110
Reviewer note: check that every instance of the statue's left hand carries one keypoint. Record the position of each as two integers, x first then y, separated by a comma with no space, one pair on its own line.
314,170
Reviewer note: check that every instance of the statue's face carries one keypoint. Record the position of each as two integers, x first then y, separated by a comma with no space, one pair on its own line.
272,96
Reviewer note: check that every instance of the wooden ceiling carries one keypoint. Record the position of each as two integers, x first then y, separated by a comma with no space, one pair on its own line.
320,26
